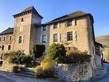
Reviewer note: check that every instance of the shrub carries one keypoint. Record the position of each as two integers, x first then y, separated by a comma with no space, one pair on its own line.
78,56
57,52
8,56
45,70
26,59
38,71
75,52
47,64
17,69
17,58
48,74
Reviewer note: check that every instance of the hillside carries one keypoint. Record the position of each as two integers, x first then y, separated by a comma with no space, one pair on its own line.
104,40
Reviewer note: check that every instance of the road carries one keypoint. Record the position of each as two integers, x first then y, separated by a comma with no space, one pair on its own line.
104,79
4,79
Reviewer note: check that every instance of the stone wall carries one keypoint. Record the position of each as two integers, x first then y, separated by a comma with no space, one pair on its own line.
73,72
7,66
98,61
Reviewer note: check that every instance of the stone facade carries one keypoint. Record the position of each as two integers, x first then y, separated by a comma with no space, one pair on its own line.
74,30
6,43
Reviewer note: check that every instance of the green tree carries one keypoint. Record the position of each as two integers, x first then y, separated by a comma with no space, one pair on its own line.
38,50
57,52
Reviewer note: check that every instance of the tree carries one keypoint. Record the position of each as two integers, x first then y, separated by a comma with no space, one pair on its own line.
57,52
38,50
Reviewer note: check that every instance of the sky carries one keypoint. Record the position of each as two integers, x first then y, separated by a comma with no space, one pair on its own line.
51,9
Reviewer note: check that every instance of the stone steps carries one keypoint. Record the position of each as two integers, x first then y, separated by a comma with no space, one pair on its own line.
26,73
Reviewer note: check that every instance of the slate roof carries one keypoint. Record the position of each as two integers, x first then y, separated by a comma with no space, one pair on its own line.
28,10
76,14
7,31
96,43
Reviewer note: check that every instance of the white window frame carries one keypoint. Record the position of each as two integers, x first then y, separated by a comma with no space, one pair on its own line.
70,38
41,39
44,38
56,37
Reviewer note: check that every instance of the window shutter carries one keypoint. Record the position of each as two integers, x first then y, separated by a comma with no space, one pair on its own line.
51,38
21,28
59,37
65,36
46,38
17,39
40,38
58,25
66,23
74,35
22,39
73,22
47,27
41,28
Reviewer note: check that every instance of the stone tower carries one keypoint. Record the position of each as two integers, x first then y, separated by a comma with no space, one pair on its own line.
24,28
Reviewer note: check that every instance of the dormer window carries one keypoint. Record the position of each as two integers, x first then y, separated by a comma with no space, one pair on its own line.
22,20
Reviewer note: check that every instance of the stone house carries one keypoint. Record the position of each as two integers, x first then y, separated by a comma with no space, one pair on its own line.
74,30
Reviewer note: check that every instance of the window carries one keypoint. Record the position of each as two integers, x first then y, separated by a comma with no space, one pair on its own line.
55,25
10,38
0,39
4,38
22,20
44,38
9,47
69,36
55,37
20,40
2,47
69,23
68,48
44,28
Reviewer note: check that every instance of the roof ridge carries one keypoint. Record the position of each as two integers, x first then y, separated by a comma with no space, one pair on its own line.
7,31
29,8
77,13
